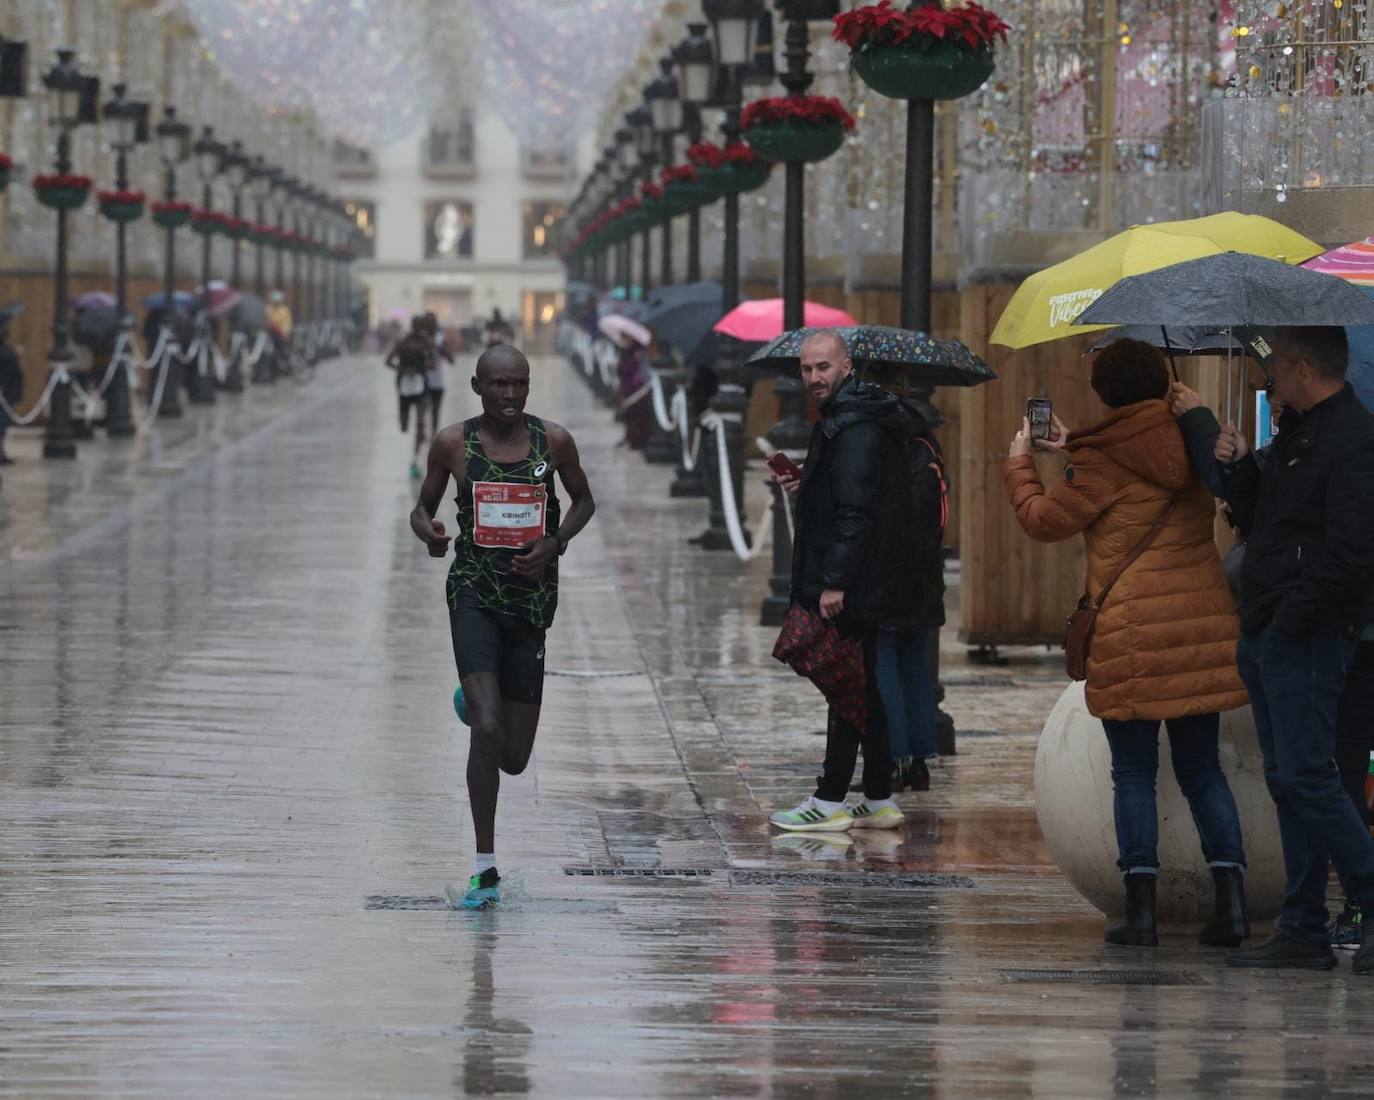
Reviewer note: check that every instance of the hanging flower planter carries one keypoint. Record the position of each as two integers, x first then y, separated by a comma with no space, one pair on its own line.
237,228
209,222
262,234
62,192
796,128
733,170
652,209
685,190
6,170
121,207
172,215
928,52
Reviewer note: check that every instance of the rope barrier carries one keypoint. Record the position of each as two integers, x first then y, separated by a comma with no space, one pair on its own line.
691,438
42,403
715,422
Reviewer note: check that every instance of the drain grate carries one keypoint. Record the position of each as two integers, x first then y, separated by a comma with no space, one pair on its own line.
640,872
853,879
1105,977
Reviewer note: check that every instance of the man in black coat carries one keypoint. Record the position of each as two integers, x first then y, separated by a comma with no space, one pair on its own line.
848,555
11,380
1305,586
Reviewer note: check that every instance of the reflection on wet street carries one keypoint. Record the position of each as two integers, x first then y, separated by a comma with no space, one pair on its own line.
231,794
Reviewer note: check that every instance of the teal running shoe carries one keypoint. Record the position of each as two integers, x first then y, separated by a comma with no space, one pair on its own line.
484,892
460,705
415,469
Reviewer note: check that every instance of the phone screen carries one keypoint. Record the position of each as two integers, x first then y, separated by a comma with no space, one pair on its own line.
1038,411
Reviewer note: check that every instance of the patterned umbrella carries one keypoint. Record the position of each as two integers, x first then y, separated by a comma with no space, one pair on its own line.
932,362
1231,289
1352,262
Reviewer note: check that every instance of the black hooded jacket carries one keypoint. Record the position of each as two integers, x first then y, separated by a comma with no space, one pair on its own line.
853,507
1309,554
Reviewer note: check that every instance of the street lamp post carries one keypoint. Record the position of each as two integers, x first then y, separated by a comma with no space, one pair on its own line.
126,121
65,85
261,179
733,26
666,112
642,125
791,433
695,63
209,155
627,154
173,141
236,167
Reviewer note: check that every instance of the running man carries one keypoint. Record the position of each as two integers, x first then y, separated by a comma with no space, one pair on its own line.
412,360
503,585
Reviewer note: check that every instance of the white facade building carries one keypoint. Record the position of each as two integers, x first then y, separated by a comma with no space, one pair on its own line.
460,222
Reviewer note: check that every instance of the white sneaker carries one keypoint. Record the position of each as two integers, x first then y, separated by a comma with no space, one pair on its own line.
876,815
809,816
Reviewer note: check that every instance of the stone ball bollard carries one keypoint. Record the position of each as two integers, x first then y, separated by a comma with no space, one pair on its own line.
1073,800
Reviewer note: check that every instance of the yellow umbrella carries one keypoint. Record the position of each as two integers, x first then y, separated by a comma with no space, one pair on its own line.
1044,306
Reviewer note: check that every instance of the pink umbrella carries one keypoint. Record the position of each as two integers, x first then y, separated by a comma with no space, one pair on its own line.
1352,262
760,319
221,299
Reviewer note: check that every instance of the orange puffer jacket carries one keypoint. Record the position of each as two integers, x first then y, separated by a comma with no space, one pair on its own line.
1165,645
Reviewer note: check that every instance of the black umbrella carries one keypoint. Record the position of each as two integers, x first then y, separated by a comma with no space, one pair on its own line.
684,314
1230,289
1184,341
925,359
249,312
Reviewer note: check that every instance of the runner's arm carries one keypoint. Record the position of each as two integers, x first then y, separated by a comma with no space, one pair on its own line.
438,468
536,555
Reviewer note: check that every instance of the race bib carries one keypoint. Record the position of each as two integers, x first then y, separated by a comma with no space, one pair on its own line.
507,516
411,385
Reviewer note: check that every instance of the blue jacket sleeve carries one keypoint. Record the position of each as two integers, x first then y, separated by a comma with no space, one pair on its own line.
1200,432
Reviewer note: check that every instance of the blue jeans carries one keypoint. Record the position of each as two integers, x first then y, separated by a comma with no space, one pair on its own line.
1135,764
1295,687
908,695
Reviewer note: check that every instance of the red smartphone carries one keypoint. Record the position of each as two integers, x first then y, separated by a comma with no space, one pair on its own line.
783,466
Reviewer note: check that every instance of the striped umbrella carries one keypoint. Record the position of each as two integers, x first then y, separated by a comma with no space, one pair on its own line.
1352,262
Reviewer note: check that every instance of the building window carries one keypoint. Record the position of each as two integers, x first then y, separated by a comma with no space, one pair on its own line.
364,215
547,163
448,230
541,223
354,162
451,149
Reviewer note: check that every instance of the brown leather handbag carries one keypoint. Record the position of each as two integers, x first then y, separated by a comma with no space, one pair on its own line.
1078,630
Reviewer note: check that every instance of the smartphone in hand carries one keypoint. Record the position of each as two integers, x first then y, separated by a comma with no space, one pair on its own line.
1039,411
783,466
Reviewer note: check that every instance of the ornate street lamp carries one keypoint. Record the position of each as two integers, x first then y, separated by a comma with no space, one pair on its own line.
173,146
641,124
66,87
734,24
622,172
209,155
695,67
236,166
126,123
665,109
261,179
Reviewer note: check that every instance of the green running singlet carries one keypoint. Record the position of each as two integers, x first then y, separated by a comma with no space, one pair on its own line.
480,576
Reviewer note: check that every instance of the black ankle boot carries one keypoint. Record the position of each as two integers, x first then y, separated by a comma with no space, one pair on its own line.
1139,928
1228,926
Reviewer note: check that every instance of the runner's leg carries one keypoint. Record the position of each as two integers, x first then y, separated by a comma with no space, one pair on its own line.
483,694
520,723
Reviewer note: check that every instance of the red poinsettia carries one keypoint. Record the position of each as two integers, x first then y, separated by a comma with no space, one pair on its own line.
650,190
805,110
704,154
5,162
61,183
121,198
165,207
678,173
969,26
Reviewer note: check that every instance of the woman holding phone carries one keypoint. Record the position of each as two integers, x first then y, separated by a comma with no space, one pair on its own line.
1166,632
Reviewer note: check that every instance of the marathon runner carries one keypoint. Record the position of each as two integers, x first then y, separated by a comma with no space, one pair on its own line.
503,585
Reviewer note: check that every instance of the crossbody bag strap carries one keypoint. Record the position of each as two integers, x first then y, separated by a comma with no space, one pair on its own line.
1141,547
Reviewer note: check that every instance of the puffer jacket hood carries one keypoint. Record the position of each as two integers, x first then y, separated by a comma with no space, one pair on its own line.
1145,439
857,401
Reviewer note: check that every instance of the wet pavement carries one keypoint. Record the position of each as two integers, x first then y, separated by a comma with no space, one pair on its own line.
231,793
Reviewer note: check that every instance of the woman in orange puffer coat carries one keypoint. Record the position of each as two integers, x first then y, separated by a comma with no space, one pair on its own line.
1165,643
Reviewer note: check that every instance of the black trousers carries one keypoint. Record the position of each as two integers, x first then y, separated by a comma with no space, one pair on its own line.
843,741
1355,730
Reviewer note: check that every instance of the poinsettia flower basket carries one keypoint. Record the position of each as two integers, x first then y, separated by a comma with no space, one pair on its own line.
62,192
121,207
684,189
796,128
931,51
6,170
171,215
209,222
733,170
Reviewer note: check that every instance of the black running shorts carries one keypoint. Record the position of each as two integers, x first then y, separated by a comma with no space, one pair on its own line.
489,641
